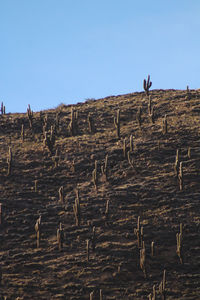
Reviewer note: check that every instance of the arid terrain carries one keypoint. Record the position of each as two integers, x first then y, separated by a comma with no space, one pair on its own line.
99,205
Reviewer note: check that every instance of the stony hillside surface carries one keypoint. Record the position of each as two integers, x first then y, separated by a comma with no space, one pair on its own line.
139,183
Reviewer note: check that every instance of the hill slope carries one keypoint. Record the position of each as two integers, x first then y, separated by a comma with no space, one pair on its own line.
145,185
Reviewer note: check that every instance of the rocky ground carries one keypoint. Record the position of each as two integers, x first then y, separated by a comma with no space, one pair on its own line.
139,182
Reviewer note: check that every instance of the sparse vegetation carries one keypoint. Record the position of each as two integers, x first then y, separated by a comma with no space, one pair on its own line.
95,210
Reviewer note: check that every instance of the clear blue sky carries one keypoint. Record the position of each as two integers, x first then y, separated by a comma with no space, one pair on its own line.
64,51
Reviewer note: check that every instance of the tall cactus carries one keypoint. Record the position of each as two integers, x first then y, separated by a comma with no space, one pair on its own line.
117,123
30,116
73,125
77,209
90,123
147,84
179,244
38,231
9,161
60,237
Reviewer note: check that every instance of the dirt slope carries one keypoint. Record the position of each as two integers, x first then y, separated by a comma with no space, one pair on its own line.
147,187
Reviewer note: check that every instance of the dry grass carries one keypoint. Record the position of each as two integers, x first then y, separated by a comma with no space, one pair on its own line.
149,189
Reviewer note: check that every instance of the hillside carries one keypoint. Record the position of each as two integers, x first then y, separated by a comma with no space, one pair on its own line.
139,182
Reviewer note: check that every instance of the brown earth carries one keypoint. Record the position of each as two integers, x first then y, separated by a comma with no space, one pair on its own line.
149,189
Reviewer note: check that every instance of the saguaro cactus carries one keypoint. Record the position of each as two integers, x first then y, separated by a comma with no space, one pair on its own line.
3,109
180,176
117,123
22,133
104,169
91,295
147,84
49,141
179,239
151,110
152,248
73,125
9,161
60,237
77,209
30,116
188,94
153,297
93,239
107,211
90,123
177,162
162,286
130,160
124,148
139,233
36,185
38,231
164,125
88,249
143,259
61,194
189,152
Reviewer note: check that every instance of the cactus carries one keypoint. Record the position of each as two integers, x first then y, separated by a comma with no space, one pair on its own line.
22,133
104,169
73,166
90,123
154,294
180,176
149,106
179,246
147,84
60,237
38,231
188,94
73,125
36,185
91,295
124,148
162,286
143,259
93,239
77,209
152,248
131,161
55,160
189,152
9,161
176,165
61,194
94,175
100,294
3,109
151,110
117,123
57,123
139,233
88,249
50,141
107,211
164,125
30,116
